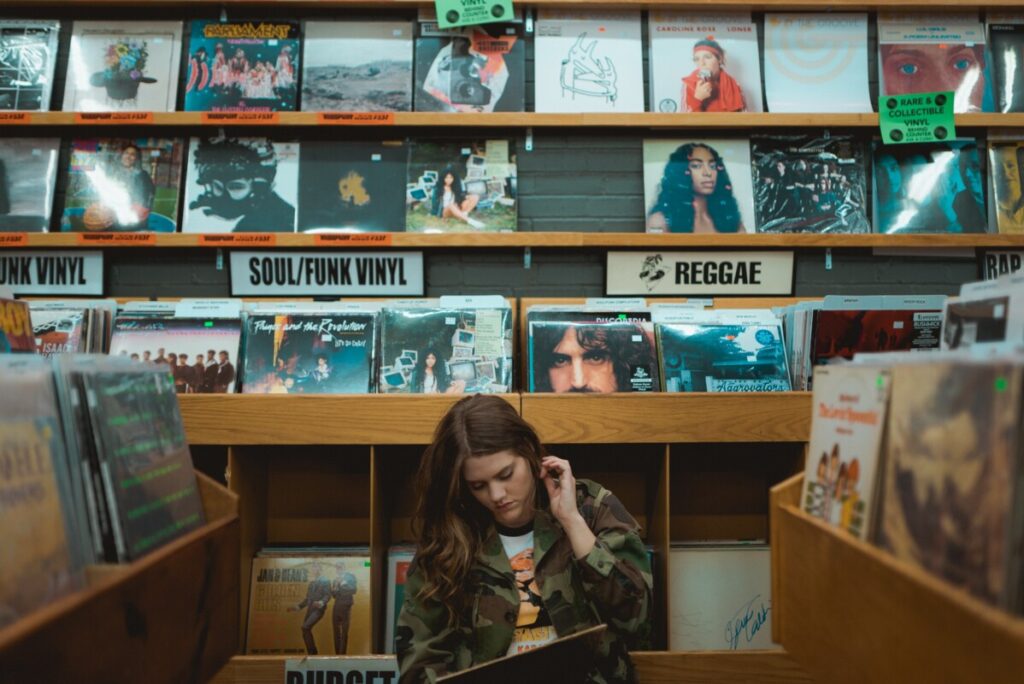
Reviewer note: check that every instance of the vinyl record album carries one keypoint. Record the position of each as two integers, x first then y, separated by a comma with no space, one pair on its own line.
59,331
1008,65
840,335
1006,164
28,54
720,357
28,175
607,357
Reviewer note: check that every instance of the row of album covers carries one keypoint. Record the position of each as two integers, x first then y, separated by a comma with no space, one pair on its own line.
584,61
807,182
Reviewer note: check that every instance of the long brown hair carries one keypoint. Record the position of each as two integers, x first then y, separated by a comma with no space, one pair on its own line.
449,521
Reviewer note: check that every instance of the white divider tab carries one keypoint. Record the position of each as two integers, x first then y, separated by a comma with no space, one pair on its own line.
615,302
699,273
66,272
341,670
474,302
208,308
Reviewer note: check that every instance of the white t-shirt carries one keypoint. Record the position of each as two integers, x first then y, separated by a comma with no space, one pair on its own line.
533,628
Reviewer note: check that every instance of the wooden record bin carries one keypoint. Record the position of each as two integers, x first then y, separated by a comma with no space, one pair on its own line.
171,616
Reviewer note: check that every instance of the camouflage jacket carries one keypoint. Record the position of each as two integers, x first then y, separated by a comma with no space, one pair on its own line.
611,585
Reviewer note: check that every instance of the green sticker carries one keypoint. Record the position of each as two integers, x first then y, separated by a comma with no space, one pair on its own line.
880,381
921,117
1000,384
456,13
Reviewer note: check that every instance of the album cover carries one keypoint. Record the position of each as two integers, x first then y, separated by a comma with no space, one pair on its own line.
951,468
349,186
816,62
59,331
16,327
28,55
810,184
123,66
843,467
1008,65
1006,164
722,357
926,53
971,322
399,558
315,604
243,67
704,62
28,175
929,188
241,185
698,186
332,353
445,351
357,66
841,334
202,353
461,187
568,356
128,184
476,69
588,61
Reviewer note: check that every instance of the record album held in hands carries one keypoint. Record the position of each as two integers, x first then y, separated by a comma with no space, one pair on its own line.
28,176
28,55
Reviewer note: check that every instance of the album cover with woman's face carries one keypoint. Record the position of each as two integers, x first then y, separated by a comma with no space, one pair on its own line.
461,187
698,186
477,69
808,183
28,174
706,62
1006,161
357,66
929,188
347,186
123,66
28,55
123,184
241,185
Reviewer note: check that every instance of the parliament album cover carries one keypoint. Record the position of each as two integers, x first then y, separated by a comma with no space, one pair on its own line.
28,177
722,357
605,357
28,55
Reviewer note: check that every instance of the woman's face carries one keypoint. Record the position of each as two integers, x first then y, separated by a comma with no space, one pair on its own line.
891,168
430,361
129,157
934,68
706,60
1011,176
503,484
704,171
448,179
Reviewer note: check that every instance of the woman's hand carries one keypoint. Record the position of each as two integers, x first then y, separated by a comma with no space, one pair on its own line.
561,485
703,90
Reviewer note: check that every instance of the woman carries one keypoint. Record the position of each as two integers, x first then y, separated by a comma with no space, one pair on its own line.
131,210
695,194
450,199
514,552
709,88
429,376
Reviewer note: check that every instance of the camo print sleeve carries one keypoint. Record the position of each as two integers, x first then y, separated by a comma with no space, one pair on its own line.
426,646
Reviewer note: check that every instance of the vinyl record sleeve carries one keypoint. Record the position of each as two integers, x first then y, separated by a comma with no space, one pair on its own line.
722,357
248,66
680,173
816,62
323,592
158,339
28,55
123,66
241,185
332,353
399,559
477,69
123,185
28,176
445,351
482,196
357,66
587,61
16,327
1006,167
979,321
929,188
59,331
842,334
593,357
1007,45
810,184
348,186
690,50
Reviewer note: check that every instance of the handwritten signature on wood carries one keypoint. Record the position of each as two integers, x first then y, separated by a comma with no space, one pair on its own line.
747,622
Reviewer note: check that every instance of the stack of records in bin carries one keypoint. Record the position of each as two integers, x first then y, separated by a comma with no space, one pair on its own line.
70,326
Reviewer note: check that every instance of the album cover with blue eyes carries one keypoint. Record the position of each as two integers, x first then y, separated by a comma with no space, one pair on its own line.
722,357
569,356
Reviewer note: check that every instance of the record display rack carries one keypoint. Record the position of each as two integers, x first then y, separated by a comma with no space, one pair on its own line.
849,612
171,616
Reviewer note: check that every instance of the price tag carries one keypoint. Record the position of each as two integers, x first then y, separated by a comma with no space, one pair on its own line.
238,240
356,118
352,240
118,239
113,117
922,117
242,118
455,13
13,239
15,118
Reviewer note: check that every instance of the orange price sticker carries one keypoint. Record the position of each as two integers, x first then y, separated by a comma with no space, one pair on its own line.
238,240
260,118
114,117
15,118
13,239
353,240
357,118
118,239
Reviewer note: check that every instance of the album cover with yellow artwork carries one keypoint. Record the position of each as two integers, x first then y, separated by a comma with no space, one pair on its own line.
356,187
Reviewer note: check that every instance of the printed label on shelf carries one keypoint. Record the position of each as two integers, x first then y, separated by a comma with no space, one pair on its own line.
341,670
921,117
263,118
13,239
238,239
616,302
474,302
995,263
119,239
455,13
357,118
353,239
15,118
208,308
69,272
113,117
699,273
320,273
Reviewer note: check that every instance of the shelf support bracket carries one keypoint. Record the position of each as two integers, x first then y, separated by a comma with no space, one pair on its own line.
828,259
527,258
529,139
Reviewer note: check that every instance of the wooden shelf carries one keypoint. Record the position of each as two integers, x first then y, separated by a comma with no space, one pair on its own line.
849,612
171,616
669,418
770,5
746,120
